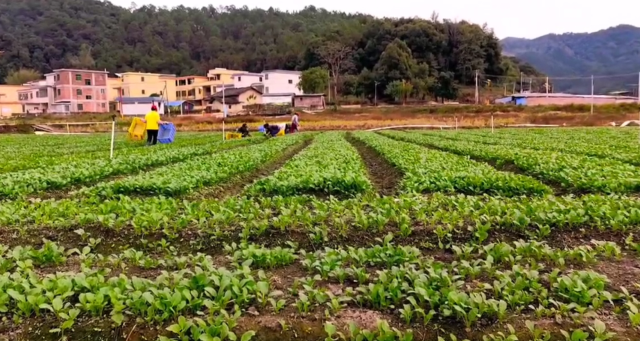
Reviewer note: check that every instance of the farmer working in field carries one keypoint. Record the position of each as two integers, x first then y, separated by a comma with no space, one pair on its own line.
152,119
244,130
295,123
271,130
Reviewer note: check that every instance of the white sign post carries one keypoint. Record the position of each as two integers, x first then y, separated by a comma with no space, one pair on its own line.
113,134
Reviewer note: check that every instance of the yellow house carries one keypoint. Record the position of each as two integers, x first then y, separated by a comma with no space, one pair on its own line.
9,103
139,84
193,89
235,99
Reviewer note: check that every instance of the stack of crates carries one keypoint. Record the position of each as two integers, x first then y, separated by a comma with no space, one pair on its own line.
137,129
233,136
167,133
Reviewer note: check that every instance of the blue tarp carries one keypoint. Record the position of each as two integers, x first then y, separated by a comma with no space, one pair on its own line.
175,103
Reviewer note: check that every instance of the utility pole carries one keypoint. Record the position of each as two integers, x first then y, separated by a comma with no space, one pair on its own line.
375,94
477,95
546,85
521,81
592,94
329,84
530,84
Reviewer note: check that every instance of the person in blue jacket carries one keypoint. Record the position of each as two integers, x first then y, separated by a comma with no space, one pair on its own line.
271,130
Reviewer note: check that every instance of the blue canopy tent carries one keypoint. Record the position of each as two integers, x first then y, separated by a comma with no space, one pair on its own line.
183,105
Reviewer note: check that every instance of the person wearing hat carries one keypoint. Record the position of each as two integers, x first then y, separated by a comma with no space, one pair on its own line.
152,119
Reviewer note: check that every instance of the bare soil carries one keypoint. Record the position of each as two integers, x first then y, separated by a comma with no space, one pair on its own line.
237,185
384,177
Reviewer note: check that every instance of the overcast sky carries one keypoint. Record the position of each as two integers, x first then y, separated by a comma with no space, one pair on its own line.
508,18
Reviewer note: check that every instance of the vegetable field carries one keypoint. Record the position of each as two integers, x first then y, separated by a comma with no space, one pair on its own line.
528,234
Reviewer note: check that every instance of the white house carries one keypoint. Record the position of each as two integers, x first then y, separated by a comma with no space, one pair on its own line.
281,82
247,79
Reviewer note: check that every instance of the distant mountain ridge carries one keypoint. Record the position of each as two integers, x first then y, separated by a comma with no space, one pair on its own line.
611,51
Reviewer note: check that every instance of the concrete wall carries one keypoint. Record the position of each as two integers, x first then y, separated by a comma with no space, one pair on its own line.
276,99
309,102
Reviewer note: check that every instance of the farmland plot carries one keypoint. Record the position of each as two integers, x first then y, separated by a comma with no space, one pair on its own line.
572,172
309,251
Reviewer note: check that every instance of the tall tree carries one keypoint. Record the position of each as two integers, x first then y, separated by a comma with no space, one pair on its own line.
336,56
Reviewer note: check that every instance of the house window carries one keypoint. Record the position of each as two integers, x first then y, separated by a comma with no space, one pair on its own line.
88,97
79,92
290,81
199,91
102,105
122,92
59,92
266,77
178,94
87,82
266,90
260,79
144,92
184,93
78,77
239,79
142,79
161,93
31,96
56,77
80,107
102,91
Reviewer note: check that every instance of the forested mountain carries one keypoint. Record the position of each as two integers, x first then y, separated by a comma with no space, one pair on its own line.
613,51
435,55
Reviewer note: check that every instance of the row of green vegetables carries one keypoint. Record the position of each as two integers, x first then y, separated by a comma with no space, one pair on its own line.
417,289
186,177
366,213
576,173
17,159
426,170
613,137
55,177
330,166
575,145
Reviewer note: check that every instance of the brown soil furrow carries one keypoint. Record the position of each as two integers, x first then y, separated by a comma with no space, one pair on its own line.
384,177
235,186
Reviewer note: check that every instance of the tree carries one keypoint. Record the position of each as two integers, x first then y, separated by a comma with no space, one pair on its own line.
22,76
396,63
313,81
84,59
155,95
399,90
445,87
336,56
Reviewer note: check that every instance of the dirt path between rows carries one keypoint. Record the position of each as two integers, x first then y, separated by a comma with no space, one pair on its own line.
235,186
384,177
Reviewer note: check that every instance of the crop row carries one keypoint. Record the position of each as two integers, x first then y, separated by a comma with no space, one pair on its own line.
330,166
404,282
82,171
198,172
577,173
435,171
320,216
540,142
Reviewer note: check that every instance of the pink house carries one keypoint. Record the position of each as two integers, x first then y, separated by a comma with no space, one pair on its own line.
67,91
